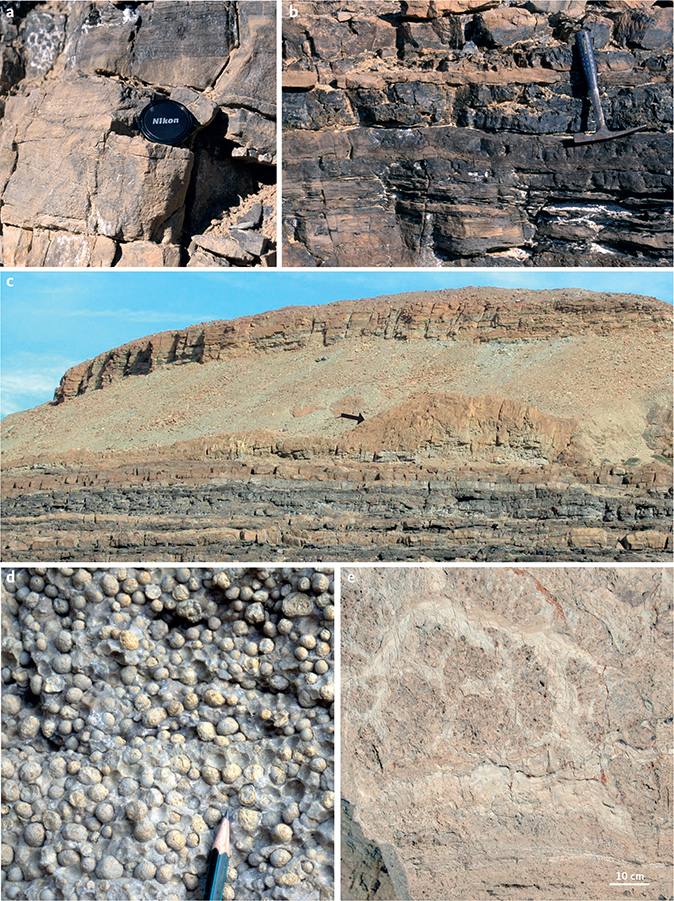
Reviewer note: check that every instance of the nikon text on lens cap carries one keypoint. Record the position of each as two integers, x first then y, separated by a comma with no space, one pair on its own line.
165,122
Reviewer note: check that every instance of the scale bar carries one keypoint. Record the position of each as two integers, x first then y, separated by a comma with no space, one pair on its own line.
629,883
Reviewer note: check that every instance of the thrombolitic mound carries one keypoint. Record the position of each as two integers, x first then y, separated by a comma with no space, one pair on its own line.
504,730
401,389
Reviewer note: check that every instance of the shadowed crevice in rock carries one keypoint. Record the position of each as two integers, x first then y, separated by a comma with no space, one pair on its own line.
366,875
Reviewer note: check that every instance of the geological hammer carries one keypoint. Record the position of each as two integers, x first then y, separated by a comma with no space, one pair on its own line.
584,44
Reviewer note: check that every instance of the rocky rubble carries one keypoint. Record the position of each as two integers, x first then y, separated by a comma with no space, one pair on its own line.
506,732
81,186
438,133
139,705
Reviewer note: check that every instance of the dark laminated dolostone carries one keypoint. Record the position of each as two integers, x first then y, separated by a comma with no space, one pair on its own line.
165,122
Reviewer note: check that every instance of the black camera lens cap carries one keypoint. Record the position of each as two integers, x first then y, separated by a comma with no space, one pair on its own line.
165,122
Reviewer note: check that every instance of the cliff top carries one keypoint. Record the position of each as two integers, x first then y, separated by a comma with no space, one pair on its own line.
469,314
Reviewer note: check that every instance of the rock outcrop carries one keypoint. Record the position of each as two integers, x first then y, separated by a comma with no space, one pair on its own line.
475,315
265,507
480,425
81,186
475,423
440,134
506,731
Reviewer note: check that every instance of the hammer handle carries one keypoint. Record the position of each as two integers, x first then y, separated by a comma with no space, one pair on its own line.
584,44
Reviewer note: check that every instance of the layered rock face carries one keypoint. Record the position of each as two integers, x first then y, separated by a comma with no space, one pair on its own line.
440,134
477,423
505,732
81,186
266,507
474,315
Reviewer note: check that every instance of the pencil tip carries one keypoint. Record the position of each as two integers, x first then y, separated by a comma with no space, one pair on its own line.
221,842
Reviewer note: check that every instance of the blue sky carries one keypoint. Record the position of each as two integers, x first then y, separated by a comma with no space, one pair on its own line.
53,320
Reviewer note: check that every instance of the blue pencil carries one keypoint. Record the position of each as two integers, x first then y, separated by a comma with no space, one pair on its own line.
218,861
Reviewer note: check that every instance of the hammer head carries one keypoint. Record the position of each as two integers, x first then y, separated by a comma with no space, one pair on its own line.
603,134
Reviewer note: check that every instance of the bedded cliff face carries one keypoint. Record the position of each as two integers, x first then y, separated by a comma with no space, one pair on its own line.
249,507
439,134
505,731
477,423
475,315
81,186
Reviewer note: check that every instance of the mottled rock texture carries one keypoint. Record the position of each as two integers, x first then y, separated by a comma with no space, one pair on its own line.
496,423
439,134
506,731
138,705
81,186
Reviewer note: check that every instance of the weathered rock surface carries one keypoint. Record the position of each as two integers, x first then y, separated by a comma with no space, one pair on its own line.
364,872
497,424
505,731
439,134
82,186
449,422
139,705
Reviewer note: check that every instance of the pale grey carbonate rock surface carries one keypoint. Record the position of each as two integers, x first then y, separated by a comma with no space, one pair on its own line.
141,704
508,731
